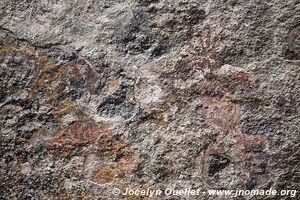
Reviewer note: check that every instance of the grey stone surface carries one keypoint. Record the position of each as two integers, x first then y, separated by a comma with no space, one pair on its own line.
140,94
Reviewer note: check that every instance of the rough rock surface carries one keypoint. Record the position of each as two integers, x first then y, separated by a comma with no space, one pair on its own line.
106,94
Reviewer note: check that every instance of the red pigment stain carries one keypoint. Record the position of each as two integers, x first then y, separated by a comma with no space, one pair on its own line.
86,136
81,69
224,117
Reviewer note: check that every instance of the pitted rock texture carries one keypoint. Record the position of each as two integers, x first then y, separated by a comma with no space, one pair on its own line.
140,94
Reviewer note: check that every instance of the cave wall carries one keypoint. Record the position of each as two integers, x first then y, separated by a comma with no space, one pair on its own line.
139,94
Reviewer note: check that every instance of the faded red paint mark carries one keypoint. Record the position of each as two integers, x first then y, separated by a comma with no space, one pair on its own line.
81,70
240,77
86,136
202,55
211,86
224,117
208,53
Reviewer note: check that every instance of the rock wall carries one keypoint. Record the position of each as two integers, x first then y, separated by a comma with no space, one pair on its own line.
97,95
